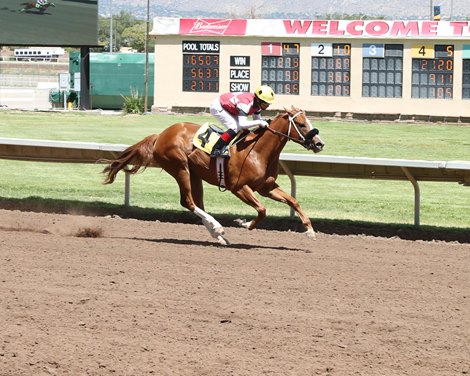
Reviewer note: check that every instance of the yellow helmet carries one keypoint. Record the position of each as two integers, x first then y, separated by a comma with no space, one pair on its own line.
265,93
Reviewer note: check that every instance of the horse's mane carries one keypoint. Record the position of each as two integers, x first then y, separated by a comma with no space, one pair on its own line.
287,112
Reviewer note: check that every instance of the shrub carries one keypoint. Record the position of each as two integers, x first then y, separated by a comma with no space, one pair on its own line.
134,104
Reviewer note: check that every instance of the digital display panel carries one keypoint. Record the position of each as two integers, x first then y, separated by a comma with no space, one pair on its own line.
466,79
433,77
201,66
331,69
63,23
280,67
382,70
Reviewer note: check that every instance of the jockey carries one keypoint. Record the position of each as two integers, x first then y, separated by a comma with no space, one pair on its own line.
41,3
232,111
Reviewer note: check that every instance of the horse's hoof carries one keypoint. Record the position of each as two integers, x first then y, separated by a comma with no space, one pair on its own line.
242,223
222,240
311,234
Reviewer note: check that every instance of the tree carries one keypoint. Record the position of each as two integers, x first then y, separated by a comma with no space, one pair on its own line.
134,37
121,21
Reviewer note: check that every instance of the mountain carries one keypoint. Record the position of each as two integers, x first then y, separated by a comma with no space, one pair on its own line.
301,9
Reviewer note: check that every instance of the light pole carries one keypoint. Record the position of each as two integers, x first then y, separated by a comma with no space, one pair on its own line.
111,26
147,58
431,15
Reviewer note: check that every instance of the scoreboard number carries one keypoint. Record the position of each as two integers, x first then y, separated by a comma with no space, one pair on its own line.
271,49
373,50
322,49
422,51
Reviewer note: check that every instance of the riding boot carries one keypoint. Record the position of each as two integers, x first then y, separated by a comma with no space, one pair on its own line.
222,142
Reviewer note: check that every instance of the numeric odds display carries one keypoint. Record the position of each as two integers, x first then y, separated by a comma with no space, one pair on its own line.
201,66
280,66
331,69
466,79
382,70
432,71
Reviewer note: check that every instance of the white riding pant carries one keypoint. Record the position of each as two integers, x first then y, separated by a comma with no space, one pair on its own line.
224,117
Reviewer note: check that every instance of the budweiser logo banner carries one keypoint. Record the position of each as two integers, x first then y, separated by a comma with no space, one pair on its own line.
206,26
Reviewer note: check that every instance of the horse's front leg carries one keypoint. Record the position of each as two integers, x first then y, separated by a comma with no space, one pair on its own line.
278,194
247,195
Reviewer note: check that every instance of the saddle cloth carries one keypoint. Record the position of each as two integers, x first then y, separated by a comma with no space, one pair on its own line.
206,137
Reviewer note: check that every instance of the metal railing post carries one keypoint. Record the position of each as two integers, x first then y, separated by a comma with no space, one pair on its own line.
417,193
127,190
293,184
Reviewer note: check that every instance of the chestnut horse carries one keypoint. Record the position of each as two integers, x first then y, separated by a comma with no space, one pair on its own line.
252,167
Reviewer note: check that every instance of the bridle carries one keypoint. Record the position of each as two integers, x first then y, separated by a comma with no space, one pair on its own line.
304,141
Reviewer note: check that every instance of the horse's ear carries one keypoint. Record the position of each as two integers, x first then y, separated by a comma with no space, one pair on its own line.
295,109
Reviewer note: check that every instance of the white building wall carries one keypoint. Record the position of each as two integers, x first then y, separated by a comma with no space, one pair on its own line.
169,92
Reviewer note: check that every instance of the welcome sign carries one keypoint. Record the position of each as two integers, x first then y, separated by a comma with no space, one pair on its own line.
312,28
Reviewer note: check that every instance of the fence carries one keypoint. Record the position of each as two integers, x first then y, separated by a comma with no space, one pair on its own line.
291,164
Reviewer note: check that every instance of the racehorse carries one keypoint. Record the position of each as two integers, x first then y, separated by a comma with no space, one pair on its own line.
41,9
252,167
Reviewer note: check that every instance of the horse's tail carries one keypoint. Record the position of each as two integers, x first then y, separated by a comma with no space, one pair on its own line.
140,155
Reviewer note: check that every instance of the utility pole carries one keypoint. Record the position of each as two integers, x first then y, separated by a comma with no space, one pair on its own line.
431,14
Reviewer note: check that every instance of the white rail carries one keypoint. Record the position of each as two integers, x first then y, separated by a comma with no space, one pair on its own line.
291,164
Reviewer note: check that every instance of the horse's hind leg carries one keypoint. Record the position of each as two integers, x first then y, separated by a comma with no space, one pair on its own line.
186,200
197,190
278,194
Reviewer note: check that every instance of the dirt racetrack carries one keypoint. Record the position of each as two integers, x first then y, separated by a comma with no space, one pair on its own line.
157,298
